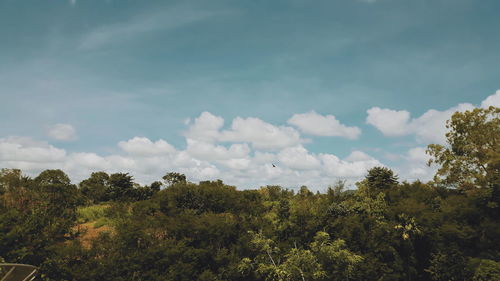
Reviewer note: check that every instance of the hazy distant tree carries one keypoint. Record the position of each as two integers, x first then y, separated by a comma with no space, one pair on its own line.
174,178
48,177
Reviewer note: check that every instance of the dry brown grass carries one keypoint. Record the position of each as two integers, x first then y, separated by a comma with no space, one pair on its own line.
88,233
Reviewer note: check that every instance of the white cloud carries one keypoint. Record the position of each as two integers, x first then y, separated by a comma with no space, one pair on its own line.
205,128
357,155
149,160
141,146
430,127
389,122
414,165
493,100
30,156
417,154
237,163
18,150
62,132
316,124
88,160
241,155
72,2
350,167
260,134
298,158
211,152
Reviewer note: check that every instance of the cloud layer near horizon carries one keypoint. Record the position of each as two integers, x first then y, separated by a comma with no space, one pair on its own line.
242,154
430,127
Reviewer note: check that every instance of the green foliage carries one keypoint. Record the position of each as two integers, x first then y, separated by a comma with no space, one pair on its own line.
486,270
208,231
451,265
472,155
95,187
174,178
101,187
338,261
380,179
91,213
35,214
323,260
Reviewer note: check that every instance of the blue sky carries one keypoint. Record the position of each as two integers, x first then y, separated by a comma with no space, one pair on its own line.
355,81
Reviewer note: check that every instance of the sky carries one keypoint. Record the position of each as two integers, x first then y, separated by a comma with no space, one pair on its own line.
225,89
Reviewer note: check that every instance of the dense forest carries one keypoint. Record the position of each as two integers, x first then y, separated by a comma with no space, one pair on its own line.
108,227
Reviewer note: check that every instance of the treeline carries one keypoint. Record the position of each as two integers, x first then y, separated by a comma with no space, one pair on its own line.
109,228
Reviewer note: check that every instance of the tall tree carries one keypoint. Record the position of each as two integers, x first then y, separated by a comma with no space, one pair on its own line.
95,187
381,178
121,187
471,157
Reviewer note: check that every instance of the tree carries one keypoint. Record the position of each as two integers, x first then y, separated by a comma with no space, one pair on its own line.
36,215
50,177
487,270
297,264
95,187
335,256
471,157
324,260
381,178
450,265
121,187
173,178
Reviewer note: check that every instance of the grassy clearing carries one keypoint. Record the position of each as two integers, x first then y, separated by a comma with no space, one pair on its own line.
92,221
92,213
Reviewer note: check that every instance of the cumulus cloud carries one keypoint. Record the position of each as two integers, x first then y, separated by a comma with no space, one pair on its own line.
260,134
148,161
29,155
353,166
62,132
316,124
25,150
298,158
493,100
430,127
417,154
414,165
389,122
249,153
206,127
211,152
141,146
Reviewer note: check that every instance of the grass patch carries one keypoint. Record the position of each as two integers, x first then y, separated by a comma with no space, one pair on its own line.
102,222
91,213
